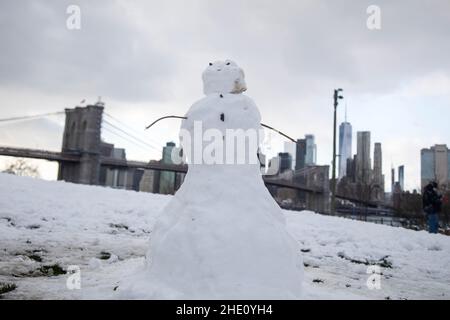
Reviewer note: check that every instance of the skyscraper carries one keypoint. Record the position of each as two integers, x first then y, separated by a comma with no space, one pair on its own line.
435,166
167,178
392,179
311,150
345,147
401,177
377,165
300,154
285,161
290,147
362,166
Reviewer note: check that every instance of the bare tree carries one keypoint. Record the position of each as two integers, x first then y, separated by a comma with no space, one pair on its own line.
21,167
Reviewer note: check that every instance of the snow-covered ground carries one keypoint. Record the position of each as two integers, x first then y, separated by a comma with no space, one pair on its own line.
45,225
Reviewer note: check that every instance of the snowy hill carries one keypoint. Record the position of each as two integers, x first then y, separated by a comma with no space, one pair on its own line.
47,226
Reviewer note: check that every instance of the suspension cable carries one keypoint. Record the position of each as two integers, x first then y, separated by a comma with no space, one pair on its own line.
138,133
125,138
130,135
32,116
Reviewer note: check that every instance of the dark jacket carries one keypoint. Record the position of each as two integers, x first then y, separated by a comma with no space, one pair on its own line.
431,200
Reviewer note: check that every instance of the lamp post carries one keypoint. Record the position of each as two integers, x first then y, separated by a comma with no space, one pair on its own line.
336,98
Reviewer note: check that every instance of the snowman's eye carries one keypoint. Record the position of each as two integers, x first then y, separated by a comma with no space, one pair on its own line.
228,63
210,63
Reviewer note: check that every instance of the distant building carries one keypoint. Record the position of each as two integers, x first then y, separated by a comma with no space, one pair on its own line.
315,177
300,156
311,150
273,166
401,177
351,169
150,180
360,181
392,179
167,178
290,147
435,166
285,159
345,147
377,175
377,164
119,178
363,161
262,161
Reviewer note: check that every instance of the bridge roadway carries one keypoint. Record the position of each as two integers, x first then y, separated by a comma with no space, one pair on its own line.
120,163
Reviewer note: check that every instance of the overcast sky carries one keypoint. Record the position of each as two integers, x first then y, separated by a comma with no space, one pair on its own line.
145,59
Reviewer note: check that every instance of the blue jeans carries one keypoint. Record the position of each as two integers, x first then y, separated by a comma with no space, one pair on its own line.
433,223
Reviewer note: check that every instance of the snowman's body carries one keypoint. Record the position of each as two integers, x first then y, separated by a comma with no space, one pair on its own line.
222,235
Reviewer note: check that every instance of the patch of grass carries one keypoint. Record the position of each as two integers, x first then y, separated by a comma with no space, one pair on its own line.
318,281
7,287
383,262
118,226
52,270
104,255
121,226
33,226
32,254
35,257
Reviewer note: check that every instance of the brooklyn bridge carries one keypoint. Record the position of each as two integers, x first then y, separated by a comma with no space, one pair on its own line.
84,158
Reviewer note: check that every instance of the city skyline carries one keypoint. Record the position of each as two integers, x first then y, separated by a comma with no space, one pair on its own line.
394,85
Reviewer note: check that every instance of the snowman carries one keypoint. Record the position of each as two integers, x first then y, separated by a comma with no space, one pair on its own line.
222,236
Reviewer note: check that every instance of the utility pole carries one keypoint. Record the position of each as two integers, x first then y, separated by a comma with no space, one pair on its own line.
336,97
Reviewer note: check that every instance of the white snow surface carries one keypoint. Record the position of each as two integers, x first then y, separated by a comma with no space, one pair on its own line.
223,77
68,224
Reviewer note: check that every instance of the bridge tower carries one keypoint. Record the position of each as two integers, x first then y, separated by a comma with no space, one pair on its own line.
82,135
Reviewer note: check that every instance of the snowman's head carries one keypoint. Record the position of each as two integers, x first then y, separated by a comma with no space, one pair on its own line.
223,77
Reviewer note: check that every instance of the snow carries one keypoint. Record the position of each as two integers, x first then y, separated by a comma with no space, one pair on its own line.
223,77
70,224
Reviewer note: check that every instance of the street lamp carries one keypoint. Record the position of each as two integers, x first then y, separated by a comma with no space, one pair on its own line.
336,97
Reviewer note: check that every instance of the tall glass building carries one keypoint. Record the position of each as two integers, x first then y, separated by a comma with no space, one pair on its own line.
435,166
311,150
345,147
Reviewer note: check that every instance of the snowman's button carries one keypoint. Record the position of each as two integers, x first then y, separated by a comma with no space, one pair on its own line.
222,117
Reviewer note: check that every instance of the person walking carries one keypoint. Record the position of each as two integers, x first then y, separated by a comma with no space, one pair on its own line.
432,204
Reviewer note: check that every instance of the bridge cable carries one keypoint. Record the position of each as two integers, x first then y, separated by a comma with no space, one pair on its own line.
132,129
130,135
32,116
133,143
